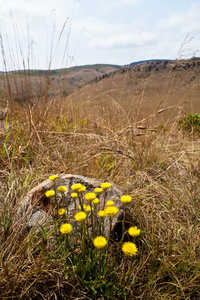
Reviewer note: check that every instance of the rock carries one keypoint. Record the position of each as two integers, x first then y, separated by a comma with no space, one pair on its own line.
35,206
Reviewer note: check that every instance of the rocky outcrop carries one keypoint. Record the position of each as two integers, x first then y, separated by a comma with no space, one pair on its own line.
35,206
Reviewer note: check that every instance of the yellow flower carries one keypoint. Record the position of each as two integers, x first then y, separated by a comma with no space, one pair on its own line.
100,242
88,208
82,189
61,189
98,190
76,186
50,194
53,177
90,196
105,185
80,206
111,211
101,213
61,212
126,199
66,228
95,201
74,195
109,203
129,249
134,231
80,216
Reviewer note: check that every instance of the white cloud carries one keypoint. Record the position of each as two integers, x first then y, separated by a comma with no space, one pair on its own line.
184,22
132,2
124,40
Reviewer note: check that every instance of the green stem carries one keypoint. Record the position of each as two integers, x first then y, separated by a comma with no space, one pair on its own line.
104,201
108,246
124,270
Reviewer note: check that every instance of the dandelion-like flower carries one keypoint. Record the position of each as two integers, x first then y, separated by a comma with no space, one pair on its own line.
105,185
90,196
61,189
50,193
111,211
53,177
129,249
82,189
101,213
76,186
126,199
80,216
61,212
88,208
134,231
80,206
66,228
100,242
95,201
98,190
74,195
109,203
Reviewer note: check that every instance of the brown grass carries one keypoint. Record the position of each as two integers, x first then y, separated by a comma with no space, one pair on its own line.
109,132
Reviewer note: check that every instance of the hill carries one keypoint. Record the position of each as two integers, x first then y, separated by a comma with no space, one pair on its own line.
115,129
147,87
64,81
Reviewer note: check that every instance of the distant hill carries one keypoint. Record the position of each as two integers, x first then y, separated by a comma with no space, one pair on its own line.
147,87
147,61
154,77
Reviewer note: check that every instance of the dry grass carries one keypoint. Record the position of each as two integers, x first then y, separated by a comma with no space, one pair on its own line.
99,135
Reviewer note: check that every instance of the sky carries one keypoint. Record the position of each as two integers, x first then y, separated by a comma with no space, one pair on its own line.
42,34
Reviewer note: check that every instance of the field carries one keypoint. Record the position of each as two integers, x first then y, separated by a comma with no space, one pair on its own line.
122,129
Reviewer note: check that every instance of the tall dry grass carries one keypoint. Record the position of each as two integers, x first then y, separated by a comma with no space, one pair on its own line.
158,167
126,144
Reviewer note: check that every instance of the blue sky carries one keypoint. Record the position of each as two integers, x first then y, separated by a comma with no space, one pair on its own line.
107,31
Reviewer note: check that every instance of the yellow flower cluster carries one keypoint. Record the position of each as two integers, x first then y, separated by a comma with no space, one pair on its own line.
126,199
74,195
66,228
61,212
49,193
111,211
105,185
80,216
95,201
90,196
62,189
53,177
76,186
98,190
134,231
129,249
88,208
100,242
101,213
82,189
109,203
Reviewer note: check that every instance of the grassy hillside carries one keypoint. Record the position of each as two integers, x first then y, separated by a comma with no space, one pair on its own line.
122,129
33,83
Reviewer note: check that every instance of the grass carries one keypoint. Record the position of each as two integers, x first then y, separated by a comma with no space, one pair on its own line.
102,133
160,170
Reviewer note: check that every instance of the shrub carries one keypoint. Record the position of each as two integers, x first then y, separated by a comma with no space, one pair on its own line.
190,123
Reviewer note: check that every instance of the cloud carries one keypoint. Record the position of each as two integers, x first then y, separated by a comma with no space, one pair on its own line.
131,2
124,40
184,22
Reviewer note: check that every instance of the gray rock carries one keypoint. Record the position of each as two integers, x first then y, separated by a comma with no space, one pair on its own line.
35,207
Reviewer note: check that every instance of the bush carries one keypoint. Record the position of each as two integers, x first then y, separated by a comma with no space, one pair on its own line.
190,123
